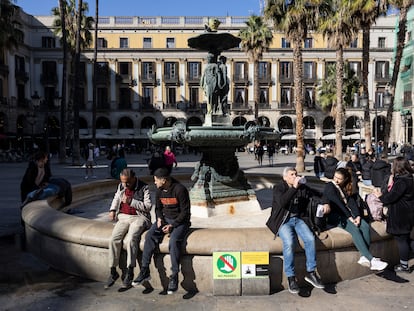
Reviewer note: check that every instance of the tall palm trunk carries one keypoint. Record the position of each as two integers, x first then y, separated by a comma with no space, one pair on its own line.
339,111
402,29
256,89
365,61
298,98
62,143
76,142
95,55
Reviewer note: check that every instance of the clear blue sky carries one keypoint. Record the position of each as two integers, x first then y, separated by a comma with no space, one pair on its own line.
153,7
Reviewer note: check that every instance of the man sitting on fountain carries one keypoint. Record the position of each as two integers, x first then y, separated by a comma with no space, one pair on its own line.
131,208
290,199
173,211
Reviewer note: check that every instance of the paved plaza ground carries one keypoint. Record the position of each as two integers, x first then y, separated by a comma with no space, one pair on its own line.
26,283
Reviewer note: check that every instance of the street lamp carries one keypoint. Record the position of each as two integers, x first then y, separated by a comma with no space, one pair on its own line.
405,118
359,122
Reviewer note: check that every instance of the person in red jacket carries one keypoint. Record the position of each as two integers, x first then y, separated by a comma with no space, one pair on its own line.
169,158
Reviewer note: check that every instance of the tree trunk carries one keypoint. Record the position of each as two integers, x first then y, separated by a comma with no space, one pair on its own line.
402,29
62,142
298,98
95,56
256,90
365,61
76,143
339,113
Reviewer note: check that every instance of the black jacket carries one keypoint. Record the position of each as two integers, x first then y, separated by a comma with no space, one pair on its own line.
380,172
400,203
330,166
319,164
28,182
366,169
288,199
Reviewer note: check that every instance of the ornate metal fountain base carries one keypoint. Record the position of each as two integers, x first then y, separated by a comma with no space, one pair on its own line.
221,188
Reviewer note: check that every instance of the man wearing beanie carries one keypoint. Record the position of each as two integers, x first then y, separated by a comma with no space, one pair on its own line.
172,209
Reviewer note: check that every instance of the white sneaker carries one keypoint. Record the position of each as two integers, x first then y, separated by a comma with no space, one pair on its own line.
86,177
363,261
378,264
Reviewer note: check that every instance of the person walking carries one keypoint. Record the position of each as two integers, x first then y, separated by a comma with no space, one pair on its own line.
170,159
130,208
173,215
90,162
399,198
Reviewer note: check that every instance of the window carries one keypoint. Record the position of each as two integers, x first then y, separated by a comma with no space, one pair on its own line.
264,96
171,96
194,71
48,42
381,42
285,97
102,98
285,70
264,70
308,70
382,70
309,97
147,95
285,43
123,43
240,95
19,64
355,67
170,70
147,71
124,98
124,68
354,44
147,43
239,70
308,43
170,43
102,43
194,96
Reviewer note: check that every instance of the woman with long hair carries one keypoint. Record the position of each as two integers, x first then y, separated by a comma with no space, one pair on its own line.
345,213
399,198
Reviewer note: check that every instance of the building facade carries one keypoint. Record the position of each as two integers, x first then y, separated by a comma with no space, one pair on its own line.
147,75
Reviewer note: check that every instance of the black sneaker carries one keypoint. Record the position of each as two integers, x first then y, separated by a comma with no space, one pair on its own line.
127,282
111,279
402,268
314,280
144,275
172,284
293,285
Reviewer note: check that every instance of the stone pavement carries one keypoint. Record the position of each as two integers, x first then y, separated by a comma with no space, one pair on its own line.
29,284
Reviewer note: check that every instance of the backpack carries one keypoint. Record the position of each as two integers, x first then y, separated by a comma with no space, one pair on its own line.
317,224
375,207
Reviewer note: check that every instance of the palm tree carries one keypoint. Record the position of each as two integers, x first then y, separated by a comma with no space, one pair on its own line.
403,6
62,143
95,56
295,18
78,37
255,39
366,12
339,28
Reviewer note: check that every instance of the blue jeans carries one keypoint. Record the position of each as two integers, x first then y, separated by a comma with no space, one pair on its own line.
288,232
50,190
154,238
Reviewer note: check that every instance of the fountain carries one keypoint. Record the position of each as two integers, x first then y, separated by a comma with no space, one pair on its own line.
220,186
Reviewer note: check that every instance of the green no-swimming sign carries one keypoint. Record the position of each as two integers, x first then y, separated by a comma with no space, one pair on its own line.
226,265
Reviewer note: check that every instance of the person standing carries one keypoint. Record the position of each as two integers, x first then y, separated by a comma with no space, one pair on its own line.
345,213
399,197
90,161
170,159
130,208
173,212
319,164
290,200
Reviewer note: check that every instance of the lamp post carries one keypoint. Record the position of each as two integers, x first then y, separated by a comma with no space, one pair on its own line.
405,118
363,100
359,122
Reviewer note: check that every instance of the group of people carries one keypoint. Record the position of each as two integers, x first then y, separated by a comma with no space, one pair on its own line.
341,205
162,159
130,209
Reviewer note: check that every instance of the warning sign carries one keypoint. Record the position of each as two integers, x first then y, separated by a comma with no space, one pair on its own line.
226,265
255,264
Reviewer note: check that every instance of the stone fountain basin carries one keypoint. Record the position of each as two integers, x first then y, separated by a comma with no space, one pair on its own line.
79,246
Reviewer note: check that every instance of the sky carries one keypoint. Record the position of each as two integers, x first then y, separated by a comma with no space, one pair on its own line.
153,7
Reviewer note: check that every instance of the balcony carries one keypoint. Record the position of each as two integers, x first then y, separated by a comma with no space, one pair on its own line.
149,79
171,79
382,78
124,79
102,79
265,78
21,76
241,79
241,108
285,79
193,79
4,70
147,108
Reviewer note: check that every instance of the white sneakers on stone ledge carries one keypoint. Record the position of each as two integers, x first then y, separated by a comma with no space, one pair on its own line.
374,264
